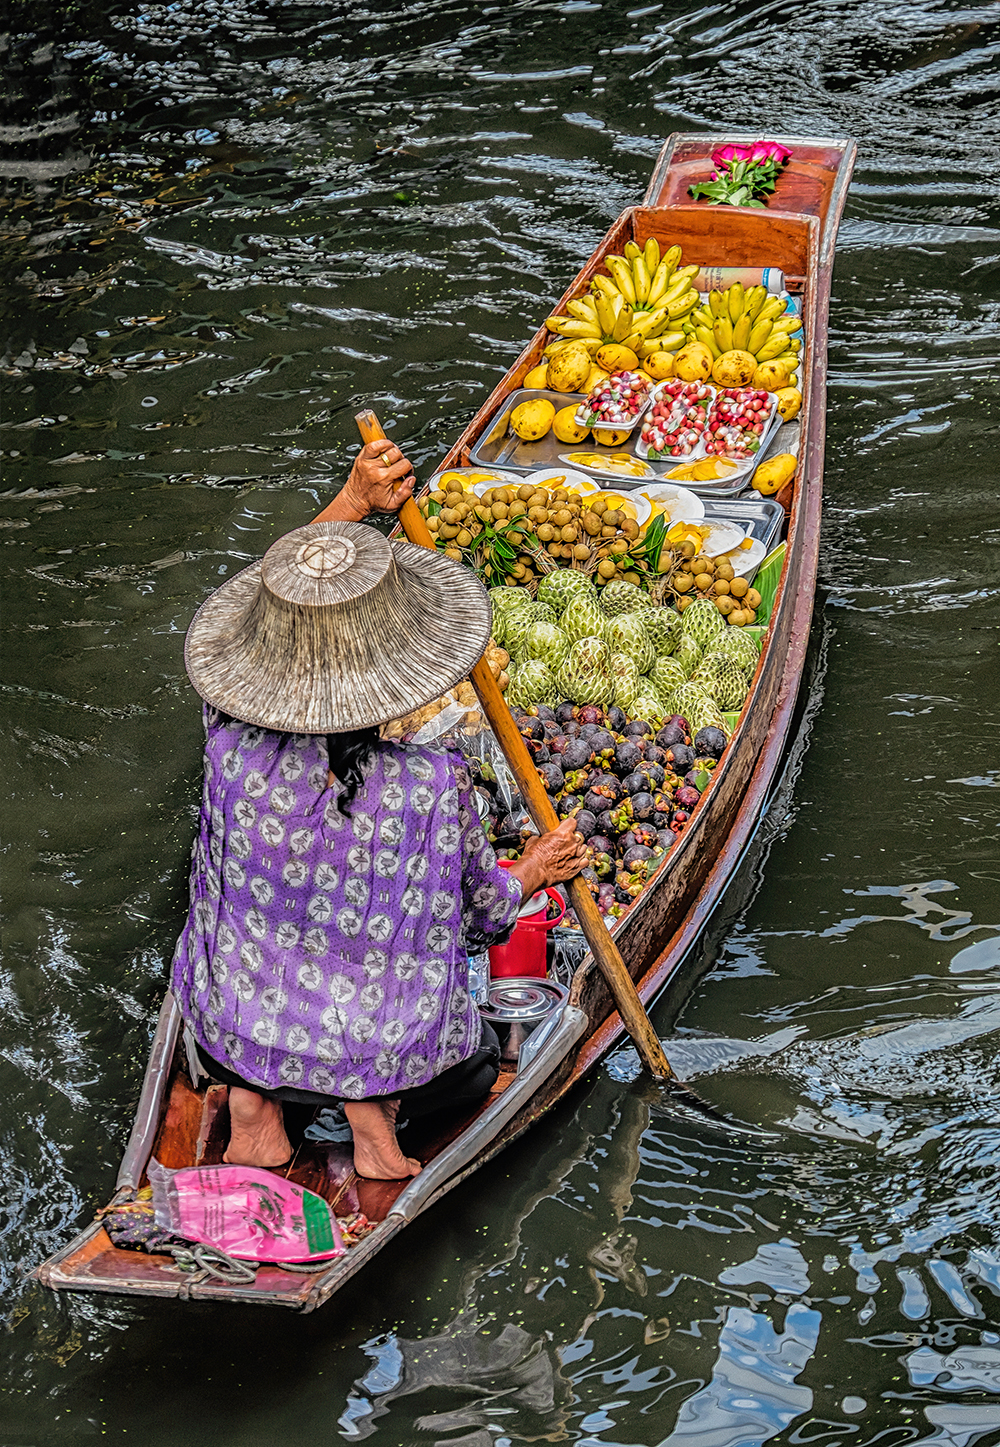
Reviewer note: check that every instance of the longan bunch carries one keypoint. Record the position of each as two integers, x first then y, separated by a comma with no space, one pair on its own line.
699,577
510,527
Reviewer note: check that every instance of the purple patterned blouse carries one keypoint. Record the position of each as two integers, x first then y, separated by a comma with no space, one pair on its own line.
327,951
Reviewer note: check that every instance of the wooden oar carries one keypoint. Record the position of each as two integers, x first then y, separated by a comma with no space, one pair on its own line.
539,806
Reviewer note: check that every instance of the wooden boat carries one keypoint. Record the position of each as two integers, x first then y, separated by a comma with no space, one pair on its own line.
181,1126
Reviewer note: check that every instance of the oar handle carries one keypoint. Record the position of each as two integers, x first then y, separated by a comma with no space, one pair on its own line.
539,806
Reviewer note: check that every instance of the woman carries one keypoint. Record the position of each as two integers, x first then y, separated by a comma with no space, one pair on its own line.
339,881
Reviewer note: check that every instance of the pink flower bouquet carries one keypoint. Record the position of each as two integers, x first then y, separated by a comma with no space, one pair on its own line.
743,174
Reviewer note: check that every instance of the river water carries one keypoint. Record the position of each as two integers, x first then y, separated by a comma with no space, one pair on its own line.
227,226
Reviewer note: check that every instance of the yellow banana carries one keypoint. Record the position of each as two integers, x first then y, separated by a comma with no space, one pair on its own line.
703,316
640,279
659,281
572,327
621,273
706,336
583,309
592,344
651,254
787,359
788,324
607,312
649,322
668,341
632,251
690,272
773,307
672,257
759,333
741,333
678,288
624,324
723,330
604,284
717,304
681,305
734,301
753,301
794,344
772,348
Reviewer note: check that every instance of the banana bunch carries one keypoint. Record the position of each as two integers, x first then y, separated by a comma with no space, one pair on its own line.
746,321
639,304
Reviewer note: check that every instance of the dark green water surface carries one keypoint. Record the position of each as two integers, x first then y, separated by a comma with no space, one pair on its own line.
227,226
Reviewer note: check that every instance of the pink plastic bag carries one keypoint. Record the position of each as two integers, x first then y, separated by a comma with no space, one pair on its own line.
250,1214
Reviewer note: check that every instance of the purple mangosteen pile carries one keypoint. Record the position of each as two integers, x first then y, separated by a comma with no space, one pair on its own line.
630,788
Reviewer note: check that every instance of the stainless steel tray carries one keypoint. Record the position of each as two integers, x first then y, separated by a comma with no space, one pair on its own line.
761,517
499,447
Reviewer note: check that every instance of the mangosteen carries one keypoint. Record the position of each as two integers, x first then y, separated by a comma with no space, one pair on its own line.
637,728
571,728
653,754
577,754
597,800
607,825
664,838
580,780
592,881
586,823
590,713
567,804
531,728
565,711
603,741
552,730
606,898
642,806
513,826
636,783
704,765
678,819
672,733
603,866
610,786
662,804
552,777
546,714
623,896
638,854
538,750
643,834
710,741
680,757
616,718
628,756
557,743
686,797
671,782
655,773
600,844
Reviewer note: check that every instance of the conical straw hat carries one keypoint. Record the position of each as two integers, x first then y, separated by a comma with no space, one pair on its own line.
337,628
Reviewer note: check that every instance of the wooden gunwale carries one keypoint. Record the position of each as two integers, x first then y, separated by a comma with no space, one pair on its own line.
661,930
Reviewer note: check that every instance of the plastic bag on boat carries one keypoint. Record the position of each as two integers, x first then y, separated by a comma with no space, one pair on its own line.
250,1214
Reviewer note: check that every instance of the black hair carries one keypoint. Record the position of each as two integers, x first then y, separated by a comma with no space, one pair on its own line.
350,754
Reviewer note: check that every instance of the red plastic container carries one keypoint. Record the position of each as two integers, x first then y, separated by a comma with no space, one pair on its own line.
524,952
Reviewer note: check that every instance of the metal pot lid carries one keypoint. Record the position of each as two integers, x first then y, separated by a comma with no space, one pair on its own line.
523,998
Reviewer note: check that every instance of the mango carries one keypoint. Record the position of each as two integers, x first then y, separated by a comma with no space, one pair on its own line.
770,376
659,365
532,420
566,427
569,368
693,363
609,436
772,475
789,402
598,376
538,377
616,358
734,369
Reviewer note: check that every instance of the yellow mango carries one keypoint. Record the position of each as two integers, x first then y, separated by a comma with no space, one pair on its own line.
598,376
693,363
772,475
659,365
616,358
566,427
538,377
734,368
609,436
532,420
770,376
569,369
789,402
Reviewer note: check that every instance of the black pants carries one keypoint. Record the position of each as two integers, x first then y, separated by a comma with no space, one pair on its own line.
460,1085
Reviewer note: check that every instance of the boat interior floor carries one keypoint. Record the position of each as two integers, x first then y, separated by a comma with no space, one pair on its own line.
195,1132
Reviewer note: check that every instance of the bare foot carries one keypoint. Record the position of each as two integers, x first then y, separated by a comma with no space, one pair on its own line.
257,1135
376,1154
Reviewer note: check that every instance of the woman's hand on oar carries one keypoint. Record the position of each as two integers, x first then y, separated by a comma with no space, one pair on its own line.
381,480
